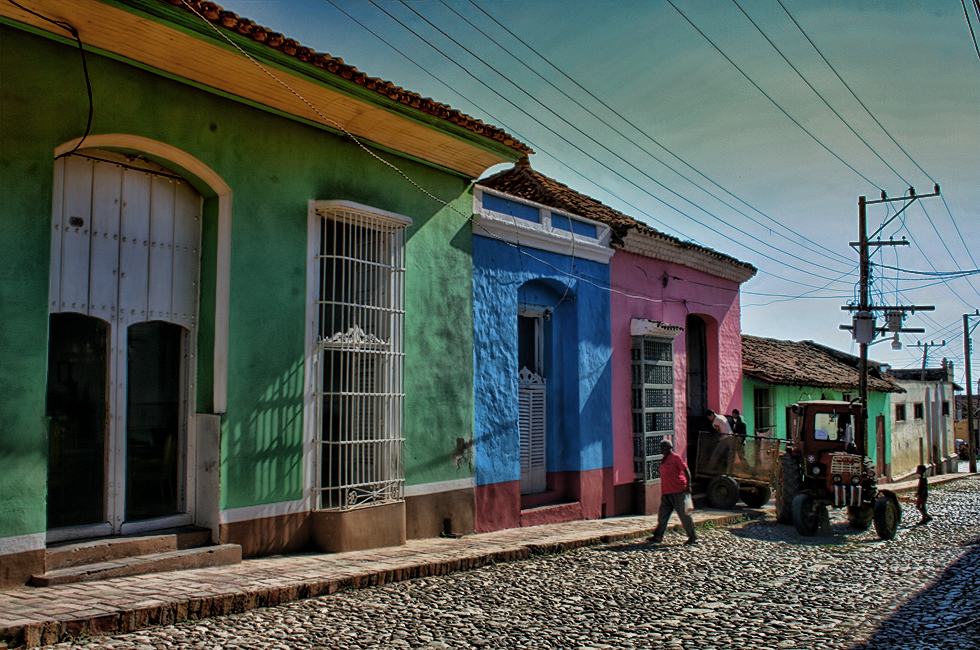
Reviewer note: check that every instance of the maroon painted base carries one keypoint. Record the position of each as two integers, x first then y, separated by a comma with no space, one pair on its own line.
570,496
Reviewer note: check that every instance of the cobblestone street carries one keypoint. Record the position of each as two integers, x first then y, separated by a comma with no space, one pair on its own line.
757,585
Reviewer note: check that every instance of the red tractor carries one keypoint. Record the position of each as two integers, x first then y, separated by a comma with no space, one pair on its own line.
826,464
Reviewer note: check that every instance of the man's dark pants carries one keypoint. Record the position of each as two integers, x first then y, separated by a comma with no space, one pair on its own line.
670,503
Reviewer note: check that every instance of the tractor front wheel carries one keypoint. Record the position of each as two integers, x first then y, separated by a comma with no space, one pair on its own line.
723,492
807,514
887,516
860,517
755,497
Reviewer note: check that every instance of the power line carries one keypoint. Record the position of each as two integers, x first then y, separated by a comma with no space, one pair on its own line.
882,126
817,93
773,101
592,181
972,33
638,130
587,154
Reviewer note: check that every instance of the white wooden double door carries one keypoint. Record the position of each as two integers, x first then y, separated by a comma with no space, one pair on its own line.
125,257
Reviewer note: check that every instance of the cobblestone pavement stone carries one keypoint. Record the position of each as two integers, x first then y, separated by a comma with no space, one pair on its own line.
755,586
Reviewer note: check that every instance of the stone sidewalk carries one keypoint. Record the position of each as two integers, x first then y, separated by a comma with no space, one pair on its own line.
39,616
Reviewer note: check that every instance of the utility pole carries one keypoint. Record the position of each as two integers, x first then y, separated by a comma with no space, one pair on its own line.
971,443
925,355
863,327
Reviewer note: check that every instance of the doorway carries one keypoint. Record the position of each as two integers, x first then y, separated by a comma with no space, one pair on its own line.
124,277
696,342
532,401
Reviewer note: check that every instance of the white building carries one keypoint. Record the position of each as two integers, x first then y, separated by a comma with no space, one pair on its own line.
922,421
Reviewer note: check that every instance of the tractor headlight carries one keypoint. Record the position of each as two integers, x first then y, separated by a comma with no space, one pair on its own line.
838,478
855,480
816,470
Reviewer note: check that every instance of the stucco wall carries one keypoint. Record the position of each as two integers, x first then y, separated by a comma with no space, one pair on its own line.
670,292
576,359
913,440
274,166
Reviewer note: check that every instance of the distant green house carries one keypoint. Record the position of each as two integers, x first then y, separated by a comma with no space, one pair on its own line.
777,374
222,305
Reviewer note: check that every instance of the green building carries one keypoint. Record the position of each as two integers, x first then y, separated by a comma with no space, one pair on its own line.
222,305
777,374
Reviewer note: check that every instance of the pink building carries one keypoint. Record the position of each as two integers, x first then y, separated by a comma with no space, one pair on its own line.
676,351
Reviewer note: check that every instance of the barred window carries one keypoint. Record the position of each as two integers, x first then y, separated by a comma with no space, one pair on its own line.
358,356
653,403
764,420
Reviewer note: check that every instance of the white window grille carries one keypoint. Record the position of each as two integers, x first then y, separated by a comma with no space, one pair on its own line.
653,403
358,356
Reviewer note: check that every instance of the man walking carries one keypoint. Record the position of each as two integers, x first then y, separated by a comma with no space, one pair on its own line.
675,483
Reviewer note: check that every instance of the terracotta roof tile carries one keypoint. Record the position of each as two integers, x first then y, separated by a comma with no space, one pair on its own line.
805,363
232,22
523,182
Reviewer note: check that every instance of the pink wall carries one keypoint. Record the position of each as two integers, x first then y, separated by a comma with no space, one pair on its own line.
687,291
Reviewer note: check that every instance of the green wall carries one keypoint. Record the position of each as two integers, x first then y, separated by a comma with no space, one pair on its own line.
274,166
783,396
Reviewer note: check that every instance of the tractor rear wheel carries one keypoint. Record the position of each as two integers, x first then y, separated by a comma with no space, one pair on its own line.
860,517
887,516
755,497
788,485
807,514
723,492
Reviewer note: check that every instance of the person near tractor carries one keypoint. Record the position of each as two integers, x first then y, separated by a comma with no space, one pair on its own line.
721,455
718,422
738,424
922,495
675,483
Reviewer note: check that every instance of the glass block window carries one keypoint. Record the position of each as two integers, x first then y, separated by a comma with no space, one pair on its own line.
652,402
359,354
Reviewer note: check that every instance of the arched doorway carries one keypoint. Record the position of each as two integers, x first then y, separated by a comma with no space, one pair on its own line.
126,248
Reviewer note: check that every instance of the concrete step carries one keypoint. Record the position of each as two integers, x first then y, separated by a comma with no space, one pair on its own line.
106,549
171,560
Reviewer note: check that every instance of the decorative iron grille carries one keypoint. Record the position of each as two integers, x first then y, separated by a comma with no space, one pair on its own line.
359,353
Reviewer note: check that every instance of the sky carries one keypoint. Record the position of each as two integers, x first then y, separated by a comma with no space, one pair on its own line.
750,127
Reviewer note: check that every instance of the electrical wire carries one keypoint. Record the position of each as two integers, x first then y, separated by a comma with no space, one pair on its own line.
417,186
878,122
970,25
88,82
817,93
773,101
795,239
593,140
544,151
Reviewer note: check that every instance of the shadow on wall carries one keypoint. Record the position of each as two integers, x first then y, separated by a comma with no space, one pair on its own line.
263,456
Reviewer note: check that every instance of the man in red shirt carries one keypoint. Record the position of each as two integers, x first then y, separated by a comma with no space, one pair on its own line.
675,482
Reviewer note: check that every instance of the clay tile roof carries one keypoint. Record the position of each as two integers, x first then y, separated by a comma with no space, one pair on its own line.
525,183
232,22
805,363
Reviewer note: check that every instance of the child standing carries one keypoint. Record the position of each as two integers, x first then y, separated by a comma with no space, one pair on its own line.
922,494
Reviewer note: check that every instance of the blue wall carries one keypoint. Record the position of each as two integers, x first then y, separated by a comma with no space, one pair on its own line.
576,358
